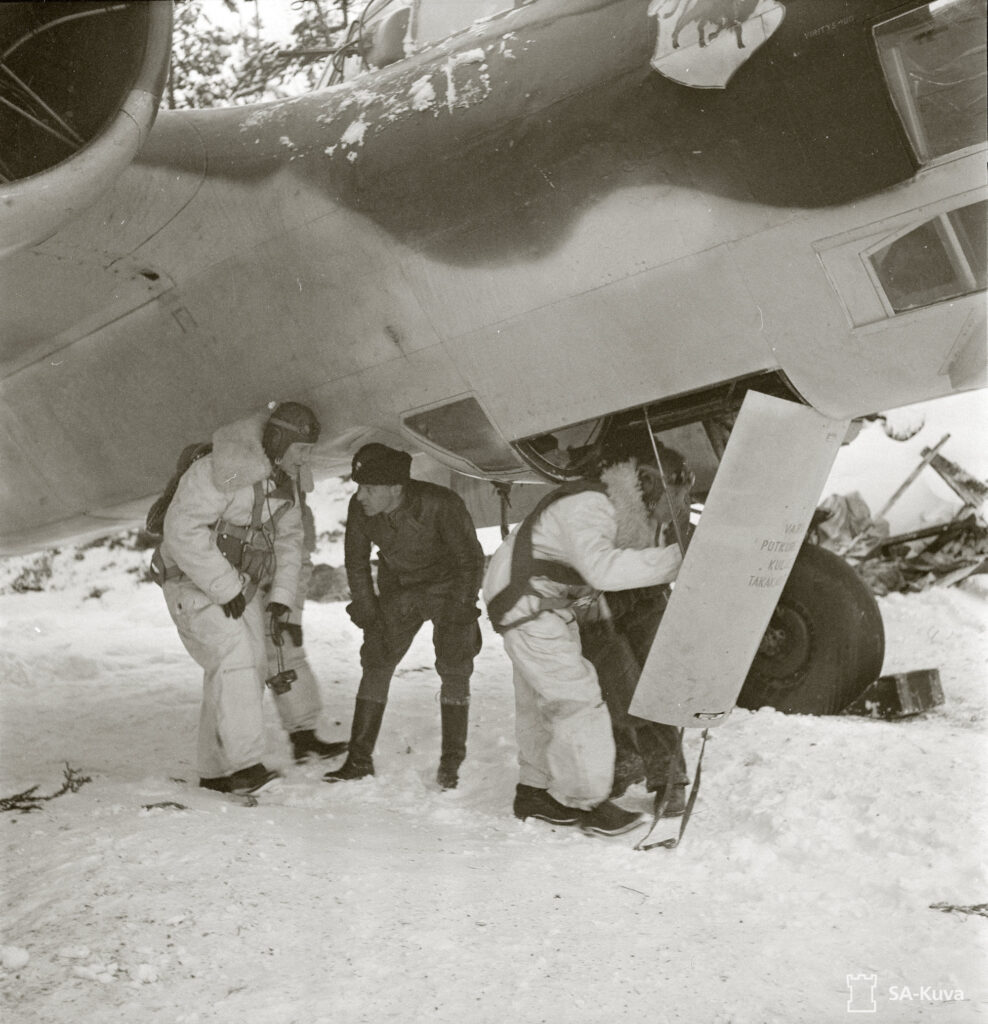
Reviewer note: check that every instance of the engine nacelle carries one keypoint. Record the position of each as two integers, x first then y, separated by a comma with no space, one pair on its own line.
80,85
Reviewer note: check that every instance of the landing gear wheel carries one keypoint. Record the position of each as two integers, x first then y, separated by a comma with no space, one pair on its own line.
824,645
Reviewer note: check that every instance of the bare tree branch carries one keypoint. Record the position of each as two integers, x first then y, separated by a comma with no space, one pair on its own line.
26,801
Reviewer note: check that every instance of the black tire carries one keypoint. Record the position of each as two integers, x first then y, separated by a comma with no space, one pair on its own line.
824,645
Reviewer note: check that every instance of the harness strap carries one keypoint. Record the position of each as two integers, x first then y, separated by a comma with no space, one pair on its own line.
558,572
546,604
245,535
258,506
172,572
525,566
248,534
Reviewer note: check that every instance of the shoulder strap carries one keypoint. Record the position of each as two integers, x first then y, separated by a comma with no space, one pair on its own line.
524,565
258,508
248,534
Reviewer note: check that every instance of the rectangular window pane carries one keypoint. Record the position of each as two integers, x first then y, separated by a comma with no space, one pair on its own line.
462,428
941,259
934,63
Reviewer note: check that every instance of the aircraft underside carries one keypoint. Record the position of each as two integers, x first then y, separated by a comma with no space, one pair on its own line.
488,247
531,225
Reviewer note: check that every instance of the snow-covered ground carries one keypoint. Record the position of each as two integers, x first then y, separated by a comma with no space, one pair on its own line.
817,852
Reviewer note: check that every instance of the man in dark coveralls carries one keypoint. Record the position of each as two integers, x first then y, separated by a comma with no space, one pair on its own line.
430,565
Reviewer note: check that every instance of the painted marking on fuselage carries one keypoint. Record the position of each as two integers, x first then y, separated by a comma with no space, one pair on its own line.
710,39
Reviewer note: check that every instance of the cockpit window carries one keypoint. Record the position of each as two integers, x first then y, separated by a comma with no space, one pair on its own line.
384,36
934,63
941,259
389,30
565,453
437,19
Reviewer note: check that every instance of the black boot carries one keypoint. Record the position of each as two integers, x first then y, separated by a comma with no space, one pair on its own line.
367,716
455,718
532,802
243,782
671,806
306,742
608,819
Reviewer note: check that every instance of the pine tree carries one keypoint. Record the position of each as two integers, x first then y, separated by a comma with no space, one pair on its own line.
217,66
201,74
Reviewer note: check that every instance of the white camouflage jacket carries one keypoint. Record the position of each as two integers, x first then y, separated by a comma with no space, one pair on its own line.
220,486
607,538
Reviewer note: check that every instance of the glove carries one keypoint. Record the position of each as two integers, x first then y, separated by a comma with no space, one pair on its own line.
294,631
279,623
235,607
364,616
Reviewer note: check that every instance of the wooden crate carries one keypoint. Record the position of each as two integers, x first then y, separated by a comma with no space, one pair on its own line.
899,695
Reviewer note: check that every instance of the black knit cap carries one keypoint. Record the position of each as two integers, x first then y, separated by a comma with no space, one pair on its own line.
379,464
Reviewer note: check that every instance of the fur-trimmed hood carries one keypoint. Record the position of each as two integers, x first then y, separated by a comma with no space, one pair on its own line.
220,487
238,456
634,528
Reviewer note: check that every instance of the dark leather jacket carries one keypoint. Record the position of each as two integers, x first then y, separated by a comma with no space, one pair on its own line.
428,545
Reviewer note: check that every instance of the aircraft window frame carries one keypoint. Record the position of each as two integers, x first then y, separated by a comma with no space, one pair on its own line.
966,279
565,453
564,461
459,428
353,57
929,95
355,46
846,259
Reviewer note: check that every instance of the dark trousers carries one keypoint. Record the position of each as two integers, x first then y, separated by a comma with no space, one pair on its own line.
403,615
618,667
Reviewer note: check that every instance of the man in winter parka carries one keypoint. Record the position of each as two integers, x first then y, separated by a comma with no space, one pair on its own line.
577,543
233,549
429,567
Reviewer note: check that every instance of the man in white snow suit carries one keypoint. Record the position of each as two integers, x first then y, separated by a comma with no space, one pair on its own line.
300,707
429,567
579,541
232,551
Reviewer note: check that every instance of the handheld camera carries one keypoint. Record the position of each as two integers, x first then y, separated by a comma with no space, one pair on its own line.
281,681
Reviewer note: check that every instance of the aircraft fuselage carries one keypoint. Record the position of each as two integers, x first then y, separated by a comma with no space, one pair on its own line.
527,215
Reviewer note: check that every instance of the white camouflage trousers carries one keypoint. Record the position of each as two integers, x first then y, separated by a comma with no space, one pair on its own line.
562,726
236,658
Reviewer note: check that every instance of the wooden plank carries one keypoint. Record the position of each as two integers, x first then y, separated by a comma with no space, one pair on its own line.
970,490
